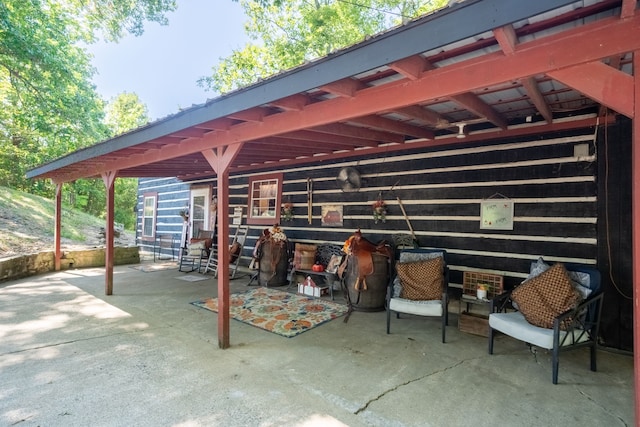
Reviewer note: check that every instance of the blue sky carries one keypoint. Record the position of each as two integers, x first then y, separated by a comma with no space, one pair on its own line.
163,65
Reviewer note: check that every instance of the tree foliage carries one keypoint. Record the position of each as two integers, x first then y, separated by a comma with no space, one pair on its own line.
286,34
48,105
126,112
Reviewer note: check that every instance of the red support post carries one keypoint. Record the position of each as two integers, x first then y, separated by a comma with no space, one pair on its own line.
109,179
220,158
57,252
635,186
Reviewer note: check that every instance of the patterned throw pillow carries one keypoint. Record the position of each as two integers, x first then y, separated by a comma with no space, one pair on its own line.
304,256
544,297
421,280
195,249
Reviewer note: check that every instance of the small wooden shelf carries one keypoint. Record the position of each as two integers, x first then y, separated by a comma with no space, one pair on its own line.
474,322
471,280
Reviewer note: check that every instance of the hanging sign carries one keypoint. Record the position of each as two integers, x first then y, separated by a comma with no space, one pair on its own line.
237,215
496,214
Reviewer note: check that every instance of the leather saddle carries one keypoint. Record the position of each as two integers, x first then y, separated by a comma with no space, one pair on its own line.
361,250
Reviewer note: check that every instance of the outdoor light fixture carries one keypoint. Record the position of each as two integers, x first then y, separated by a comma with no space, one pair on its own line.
461,133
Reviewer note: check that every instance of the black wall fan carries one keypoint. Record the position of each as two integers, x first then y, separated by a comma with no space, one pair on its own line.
348,179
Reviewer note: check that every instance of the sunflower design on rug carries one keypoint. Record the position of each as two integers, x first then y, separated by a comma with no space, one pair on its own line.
276,311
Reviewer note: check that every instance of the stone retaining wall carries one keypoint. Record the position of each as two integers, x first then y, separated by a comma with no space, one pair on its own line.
43,262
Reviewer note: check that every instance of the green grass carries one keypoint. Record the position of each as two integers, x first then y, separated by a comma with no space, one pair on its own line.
28,216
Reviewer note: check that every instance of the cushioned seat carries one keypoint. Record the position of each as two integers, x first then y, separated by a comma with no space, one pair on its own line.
572,290
515,325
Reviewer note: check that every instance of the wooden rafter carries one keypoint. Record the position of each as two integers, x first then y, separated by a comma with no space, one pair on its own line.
393,126
358,132
256,115
346,87
411,67
292,103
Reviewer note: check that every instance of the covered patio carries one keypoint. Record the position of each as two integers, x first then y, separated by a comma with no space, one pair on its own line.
144,356
476,71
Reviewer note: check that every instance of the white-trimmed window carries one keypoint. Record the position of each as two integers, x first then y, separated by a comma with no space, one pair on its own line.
149,212
265,193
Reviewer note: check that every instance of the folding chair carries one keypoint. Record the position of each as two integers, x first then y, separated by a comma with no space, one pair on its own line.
164,242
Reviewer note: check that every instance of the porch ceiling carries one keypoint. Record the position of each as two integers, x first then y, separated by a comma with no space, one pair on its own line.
540,64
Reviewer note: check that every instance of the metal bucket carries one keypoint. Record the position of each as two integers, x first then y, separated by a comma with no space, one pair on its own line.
374,297
273,265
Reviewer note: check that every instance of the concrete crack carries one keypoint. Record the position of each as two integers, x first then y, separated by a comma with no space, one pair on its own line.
395,388
590,399
68,342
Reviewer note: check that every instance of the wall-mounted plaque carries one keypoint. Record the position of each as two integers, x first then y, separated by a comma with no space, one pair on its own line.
496,214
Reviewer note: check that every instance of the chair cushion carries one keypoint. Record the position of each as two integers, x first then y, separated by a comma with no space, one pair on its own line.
421,280
304,256
515,325
207,242
420,308
544,297
195,249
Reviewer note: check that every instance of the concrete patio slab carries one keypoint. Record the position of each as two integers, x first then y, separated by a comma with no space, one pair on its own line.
71,356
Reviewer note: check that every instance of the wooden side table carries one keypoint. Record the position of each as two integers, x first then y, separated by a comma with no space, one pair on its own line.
475,318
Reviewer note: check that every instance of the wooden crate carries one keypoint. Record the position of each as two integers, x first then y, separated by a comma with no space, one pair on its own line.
471,280
473,323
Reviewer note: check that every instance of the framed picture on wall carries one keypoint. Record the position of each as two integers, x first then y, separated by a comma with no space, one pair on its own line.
331,215
496,214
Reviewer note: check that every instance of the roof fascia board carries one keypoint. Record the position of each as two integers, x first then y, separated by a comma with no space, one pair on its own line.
447,26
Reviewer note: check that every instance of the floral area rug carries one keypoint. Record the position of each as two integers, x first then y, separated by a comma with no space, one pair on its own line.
282,313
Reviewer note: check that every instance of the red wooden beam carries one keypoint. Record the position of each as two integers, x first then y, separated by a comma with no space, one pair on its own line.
601,82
